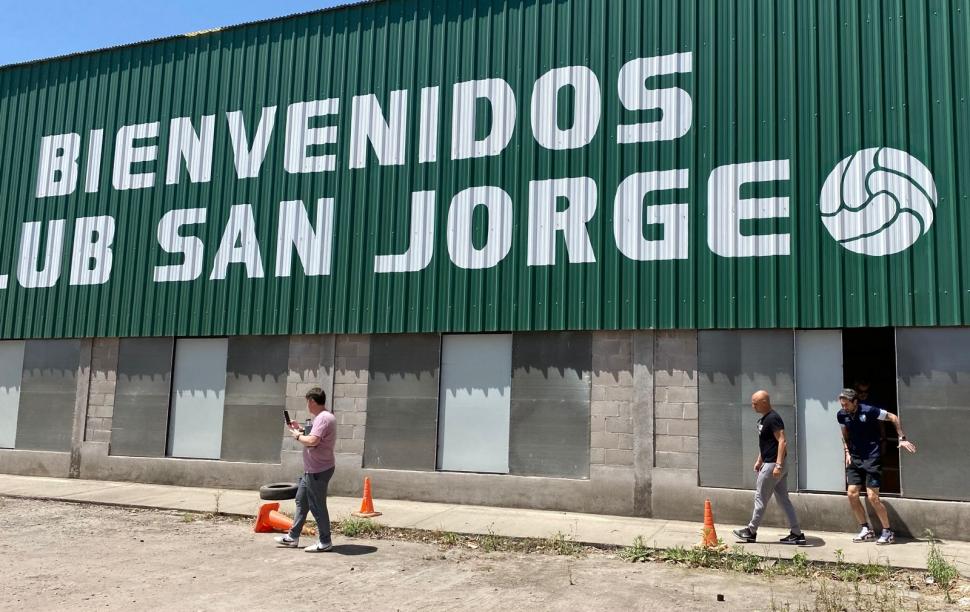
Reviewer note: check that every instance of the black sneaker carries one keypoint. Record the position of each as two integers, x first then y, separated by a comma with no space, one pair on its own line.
794,538
745,535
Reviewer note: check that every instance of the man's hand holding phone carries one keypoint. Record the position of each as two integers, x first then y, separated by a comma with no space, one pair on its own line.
293,425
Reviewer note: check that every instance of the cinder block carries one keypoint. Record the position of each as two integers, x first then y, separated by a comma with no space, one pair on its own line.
354,390
603,440
101,387
625,442
619,394
669,444
663,377
669,411
676,460
100,411
619,457
294,404
343,405
603,377
682,395
618,425
681,428
354,418
305,387
350,377
597,456
605,409
597,424
350,446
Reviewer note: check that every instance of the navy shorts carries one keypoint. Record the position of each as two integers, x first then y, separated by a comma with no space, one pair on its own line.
865,472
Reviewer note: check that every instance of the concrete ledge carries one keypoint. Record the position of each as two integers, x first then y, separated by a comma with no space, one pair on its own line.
35,463
676,495
96,464
609,489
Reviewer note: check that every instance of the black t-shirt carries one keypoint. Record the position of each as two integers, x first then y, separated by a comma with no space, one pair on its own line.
767,426
865,430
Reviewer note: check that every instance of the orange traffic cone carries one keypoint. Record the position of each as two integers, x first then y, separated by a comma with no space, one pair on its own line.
269,520
366,504
710,536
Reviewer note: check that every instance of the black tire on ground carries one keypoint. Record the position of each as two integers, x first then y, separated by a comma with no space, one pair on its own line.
278,491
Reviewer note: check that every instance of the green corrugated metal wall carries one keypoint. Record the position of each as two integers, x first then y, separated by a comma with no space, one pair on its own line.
810,81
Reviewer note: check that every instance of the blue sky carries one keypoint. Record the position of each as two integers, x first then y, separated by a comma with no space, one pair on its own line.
35,29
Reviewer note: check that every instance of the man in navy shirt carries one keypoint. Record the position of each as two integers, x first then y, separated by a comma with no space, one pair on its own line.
772,472
862,438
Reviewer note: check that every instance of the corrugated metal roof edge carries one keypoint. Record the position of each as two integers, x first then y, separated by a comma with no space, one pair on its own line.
186,35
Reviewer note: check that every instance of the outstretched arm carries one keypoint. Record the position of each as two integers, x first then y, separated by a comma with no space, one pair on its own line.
903,442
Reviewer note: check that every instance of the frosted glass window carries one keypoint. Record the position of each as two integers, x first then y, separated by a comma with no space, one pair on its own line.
198,398
11,370
475,403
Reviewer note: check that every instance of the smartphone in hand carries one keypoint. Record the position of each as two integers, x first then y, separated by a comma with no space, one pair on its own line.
286,418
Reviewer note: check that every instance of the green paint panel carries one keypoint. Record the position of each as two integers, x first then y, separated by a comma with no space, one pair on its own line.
803,84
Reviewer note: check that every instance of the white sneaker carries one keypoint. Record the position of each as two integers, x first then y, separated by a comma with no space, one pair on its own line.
286,541
887,537
319,547
866,535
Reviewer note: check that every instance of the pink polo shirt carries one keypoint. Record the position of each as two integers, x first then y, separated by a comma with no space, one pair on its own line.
319,458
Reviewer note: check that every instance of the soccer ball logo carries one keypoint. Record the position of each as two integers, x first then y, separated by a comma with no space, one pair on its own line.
878,201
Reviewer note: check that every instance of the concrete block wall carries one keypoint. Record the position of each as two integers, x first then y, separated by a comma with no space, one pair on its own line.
643,390
611,400
351,372
101,391
675,399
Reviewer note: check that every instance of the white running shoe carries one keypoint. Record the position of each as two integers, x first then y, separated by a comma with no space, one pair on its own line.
866,535
887,537
286,541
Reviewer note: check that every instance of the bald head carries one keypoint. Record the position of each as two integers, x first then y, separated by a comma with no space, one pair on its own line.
761,402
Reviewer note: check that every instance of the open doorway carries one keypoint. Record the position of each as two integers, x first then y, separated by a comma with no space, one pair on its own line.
869,356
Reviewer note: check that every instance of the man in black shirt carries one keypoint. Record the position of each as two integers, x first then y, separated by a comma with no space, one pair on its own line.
772,472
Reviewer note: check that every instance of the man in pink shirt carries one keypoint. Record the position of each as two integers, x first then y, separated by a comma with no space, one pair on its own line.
318,465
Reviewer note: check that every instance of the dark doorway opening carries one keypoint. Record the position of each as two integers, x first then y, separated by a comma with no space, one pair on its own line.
869,356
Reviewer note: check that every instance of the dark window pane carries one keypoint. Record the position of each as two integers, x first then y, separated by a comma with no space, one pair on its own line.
48,391
934,407
549,433
139,423
252,424
402,402
732,365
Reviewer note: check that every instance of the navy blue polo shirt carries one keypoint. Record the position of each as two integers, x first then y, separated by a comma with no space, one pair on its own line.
865,432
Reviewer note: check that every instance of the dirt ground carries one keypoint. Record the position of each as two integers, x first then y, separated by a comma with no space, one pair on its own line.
58,556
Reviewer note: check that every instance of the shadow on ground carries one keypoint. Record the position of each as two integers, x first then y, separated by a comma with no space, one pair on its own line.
353,550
